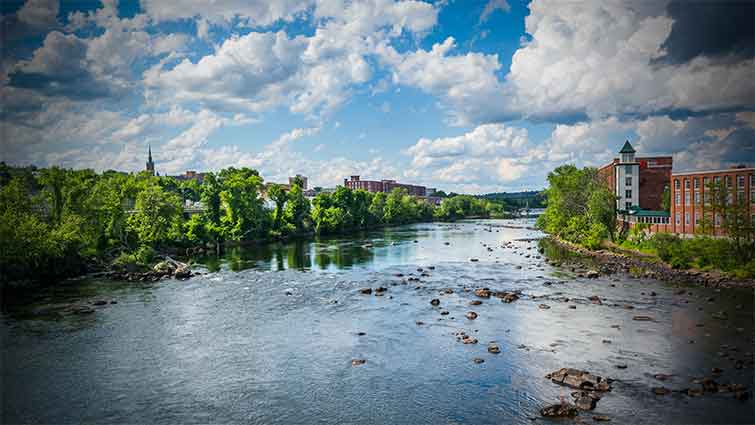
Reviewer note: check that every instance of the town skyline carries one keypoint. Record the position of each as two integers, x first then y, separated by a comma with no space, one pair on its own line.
471,97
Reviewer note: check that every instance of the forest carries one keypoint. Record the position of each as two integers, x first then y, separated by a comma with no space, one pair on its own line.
61,222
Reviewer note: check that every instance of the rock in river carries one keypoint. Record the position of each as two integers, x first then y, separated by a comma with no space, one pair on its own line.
563,410
358,362
475,302
482,292
507,297
579,379
435,301
494,348
471,315
366,291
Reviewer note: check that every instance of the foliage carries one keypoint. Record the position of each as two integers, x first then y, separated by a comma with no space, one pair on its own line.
55,220
580,208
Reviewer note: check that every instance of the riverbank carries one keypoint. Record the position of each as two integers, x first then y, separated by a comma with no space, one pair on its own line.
614,259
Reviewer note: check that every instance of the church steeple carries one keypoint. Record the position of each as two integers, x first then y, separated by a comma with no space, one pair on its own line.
150,164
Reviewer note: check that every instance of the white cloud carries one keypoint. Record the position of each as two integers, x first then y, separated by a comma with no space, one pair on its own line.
491,156
249,12
493,5
309,75
40,14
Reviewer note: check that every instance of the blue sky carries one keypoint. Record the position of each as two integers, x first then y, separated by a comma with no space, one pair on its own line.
467,96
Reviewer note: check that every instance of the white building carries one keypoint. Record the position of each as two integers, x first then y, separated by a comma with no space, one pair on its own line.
627,175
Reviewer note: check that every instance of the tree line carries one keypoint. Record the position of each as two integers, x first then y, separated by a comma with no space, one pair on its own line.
55,221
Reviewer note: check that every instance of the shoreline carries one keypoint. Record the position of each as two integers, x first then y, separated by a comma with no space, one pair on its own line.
619,260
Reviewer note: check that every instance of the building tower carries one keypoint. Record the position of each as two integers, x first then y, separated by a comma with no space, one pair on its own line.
150,164
627,179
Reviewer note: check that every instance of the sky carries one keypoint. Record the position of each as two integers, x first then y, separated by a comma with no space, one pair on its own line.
466,96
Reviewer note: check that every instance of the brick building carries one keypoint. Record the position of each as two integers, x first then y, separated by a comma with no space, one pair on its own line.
383,186
639,183
693,192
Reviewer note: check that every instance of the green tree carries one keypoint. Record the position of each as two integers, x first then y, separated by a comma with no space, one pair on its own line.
277,194
297,210
157,218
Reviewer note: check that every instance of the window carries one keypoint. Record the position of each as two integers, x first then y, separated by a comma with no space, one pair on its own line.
706,197
752,181
717,180
628,181
697,183
629,170
628,194
740,197
627,205
697,197
727,181
686,184
686,198
686,218
741,182
705,182
677,198
678,218
676,183
729,198
697,218
752,195
718,219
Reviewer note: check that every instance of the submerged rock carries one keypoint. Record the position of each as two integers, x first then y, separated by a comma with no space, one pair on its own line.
563,410
475,302
366,291
494,348
358,362
482,292
579,379
507,297
471,315
435,301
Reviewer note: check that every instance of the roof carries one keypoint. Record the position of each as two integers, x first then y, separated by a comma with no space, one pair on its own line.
638,212
727,170
627,148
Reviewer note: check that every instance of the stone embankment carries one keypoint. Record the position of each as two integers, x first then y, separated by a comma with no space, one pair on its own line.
624,261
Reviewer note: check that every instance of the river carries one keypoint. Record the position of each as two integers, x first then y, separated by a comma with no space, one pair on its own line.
267,335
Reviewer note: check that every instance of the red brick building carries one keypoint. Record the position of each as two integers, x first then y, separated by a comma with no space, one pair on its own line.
692,196
383,186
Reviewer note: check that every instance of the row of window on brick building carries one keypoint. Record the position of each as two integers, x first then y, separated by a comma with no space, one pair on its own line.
727,184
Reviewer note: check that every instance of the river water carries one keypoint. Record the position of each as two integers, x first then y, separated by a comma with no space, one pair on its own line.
267,335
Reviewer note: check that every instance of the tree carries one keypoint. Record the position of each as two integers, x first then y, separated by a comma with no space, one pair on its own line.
53,180
157,218
297,210
666,199
277,194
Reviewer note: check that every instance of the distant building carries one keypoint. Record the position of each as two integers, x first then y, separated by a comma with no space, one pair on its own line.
303,179
191,175
150,164
385,186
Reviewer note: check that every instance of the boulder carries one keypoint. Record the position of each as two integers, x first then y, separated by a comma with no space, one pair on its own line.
471,315
435,301
579,379
563,410
494,348
507,297
482,292
358,362
366,291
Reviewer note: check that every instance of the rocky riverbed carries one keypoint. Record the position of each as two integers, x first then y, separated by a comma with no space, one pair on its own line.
382,329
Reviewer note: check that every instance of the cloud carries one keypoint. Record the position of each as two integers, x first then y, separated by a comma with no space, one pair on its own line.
466,84
34,17
312,75
585,60
248,12
493,5
491,156
714,29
